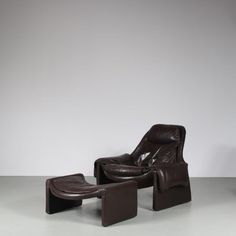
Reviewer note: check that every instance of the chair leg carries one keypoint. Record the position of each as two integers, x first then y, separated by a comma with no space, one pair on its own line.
171,197
100,176
119,202
55,204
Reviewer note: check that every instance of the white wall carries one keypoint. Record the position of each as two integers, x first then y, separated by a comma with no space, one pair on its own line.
85,79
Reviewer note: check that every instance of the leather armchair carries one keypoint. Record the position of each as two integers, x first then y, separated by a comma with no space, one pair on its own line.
157,161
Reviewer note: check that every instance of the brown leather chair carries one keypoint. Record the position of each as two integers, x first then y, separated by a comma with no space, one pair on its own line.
157,161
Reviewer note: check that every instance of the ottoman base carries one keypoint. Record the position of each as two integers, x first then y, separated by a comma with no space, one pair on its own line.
119,200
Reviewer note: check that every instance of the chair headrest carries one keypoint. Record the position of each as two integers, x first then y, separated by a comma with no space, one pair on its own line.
163,134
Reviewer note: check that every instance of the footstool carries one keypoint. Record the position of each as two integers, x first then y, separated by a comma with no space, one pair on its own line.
119,200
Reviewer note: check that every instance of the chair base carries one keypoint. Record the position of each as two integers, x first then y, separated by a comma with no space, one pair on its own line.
171,197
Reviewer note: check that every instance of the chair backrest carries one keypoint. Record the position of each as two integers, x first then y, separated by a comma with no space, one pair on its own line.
162,143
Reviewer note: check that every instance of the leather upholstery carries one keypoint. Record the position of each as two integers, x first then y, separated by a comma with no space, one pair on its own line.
69,191
160,145
73,184
159,154
124,170
163,134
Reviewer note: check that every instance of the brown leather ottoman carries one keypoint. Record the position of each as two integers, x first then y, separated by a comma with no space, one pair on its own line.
119,200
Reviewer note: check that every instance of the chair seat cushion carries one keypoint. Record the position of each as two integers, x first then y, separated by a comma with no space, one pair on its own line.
123,170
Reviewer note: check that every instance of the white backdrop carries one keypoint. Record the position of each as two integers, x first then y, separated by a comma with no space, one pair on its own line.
85,79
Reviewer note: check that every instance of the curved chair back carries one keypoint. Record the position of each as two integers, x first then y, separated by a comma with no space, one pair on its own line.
165,141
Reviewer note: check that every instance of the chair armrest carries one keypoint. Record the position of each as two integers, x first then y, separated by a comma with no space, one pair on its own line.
171,175
125,159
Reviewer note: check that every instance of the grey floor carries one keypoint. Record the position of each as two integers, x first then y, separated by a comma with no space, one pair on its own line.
212,212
